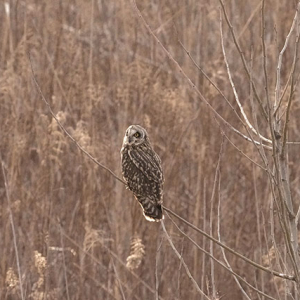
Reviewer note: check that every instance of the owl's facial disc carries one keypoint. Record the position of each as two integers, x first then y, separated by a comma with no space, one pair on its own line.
133,136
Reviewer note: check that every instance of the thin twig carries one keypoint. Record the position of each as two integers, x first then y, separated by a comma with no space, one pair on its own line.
234,89
96,260
248,21
280,167
64,263
219,262
273,242
285,129
208,78
297,216
220,92
277,101
118,280
63,128
251,262
13,230
249,139
98,283
191,83
219,238
264,53
216,177
159,244
281,163
240,151
260,150
204,207
183,262
258,222
242,58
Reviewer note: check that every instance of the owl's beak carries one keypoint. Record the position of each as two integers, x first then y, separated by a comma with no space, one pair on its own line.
128,140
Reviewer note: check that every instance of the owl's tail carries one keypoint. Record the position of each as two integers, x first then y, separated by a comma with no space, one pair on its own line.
152,211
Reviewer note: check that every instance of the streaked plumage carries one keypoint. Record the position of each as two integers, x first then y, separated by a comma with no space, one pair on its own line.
142,171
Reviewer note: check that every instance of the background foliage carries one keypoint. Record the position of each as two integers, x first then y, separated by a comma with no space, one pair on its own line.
102,71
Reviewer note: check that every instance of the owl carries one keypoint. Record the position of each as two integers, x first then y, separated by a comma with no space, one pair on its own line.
142,171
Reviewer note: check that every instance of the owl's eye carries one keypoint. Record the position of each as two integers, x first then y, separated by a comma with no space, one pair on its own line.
137,135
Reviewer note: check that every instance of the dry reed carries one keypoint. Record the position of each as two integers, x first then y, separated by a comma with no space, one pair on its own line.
79,232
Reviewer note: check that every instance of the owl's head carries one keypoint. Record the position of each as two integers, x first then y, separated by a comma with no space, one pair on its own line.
135,135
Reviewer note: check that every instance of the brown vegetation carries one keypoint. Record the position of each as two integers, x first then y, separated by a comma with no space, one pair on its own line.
79,233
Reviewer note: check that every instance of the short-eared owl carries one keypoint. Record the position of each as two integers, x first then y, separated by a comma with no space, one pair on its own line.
142,171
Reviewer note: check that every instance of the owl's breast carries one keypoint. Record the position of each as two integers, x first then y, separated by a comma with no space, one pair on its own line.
137,181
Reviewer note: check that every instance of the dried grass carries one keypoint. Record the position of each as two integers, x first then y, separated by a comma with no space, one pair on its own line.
137,252
127,79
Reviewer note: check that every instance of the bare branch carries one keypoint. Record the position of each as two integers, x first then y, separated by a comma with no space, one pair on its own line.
275,273
242,58
217,175
203,99
240,151
277,101
264,53
292,82
234,89
182,262
225,98
297,216
219,262
249,139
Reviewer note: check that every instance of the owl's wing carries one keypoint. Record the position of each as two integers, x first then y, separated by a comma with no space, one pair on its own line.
148,162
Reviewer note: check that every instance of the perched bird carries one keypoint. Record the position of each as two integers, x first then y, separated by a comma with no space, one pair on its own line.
142,171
